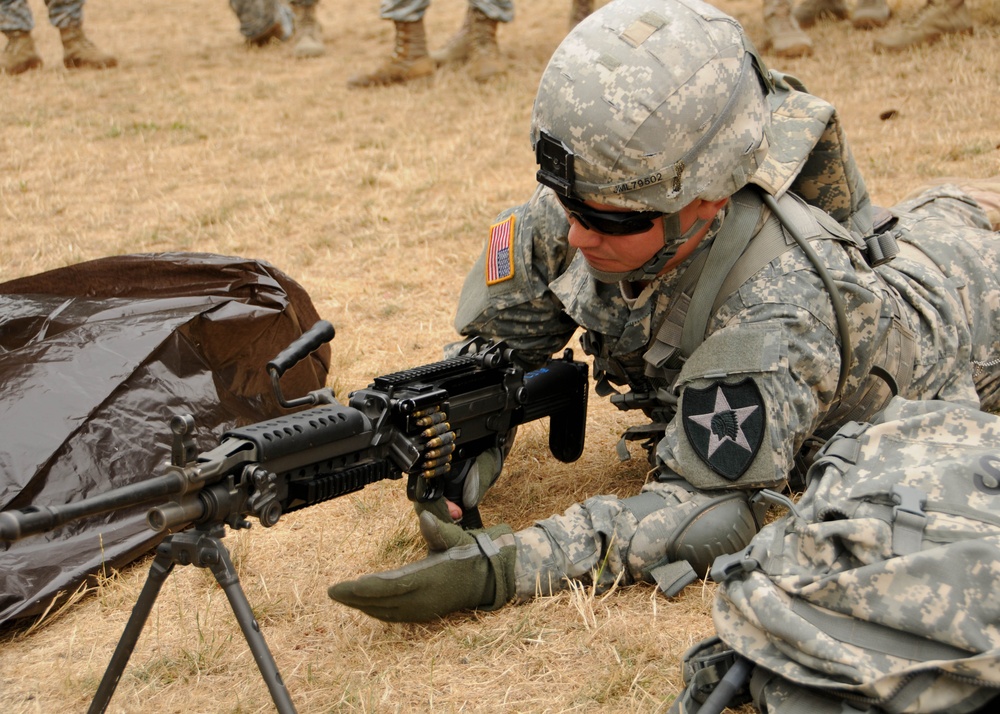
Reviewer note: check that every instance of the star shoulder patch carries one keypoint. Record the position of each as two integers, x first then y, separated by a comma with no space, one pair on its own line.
724,424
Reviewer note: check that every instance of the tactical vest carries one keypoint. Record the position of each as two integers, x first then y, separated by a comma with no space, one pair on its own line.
748,241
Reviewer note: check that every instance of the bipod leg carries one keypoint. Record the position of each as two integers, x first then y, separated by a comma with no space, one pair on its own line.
203,549
225,573
163,563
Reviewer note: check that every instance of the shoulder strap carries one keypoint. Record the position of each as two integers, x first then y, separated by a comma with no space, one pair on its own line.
718,273
726,249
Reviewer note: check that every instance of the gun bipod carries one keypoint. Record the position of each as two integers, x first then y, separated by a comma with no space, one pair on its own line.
203,548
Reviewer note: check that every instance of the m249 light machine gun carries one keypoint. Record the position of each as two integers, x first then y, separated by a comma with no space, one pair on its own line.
428,423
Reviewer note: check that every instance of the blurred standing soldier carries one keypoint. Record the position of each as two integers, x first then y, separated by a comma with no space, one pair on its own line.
934,20
17,22
866,15
746,324
475,43
783,34
262,21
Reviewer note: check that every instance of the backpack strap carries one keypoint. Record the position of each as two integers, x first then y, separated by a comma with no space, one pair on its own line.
726,250
705,282
874,637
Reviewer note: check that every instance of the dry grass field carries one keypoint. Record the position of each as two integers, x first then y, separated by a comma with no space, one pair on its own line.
377,201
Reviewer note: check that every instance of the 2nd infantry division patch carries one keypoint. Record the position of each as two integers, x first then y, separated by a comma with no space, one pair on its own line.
499,260
725,425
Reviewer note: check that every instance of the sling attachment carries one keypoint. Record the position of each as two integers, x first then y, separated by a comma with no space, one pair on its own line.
881,245
733,564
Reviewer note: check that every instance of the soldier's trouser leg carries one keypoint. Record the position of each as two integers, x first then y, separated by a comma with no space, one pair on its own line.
65,13
499,10
403,10
260,20
669,534
956,232
15,16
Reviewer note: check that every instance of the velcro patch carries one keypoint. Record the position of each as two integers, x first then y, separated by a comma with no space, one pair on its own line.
499,261
724,424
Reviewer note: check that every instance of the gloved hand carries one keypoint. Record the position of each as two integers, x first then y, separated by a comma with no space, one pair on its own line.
465,570
467,489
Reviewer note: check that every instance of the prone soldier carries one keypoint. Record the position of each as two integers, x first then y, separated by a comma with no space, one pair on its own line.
703,220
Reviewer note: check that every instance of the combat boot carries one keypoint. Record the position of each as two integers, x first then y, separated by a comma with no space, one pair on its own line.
19,55
81,53
936,18
484,60
458,49
784,36
409,59
579,10
869,14
808,12
308,32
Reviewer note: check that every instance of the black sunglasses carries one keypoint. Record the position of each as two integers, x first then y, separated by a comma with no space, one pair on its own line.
611,223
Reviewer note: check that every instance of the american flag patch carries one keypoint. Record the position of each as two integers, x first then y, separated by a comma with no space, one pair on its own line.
499,263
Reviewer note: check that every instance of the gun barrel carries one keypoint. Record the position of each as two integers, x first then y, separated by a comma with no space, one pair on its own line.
18,524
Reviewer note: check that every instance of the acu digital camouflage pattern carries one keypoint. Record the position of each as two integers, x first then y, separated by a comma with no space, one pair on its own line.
258,16
659,105
413,10
15,15
777,329
860,598
930,320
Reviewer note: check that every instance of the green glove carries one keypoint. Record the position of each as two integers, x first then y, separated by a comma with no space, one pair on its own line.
465,570
475,482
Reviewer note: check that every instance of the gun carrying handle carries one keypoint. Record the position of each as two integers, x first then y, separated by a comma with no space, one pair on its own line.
317,335
307,343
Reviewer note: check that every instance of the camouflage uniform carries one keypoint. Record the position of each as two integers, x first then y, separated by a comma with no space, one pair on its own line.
771,346
15,15
258,16
413,10
779,319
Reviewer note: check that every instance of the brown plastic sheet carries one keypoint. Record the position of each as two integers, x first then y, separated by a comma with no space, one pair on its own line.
94,360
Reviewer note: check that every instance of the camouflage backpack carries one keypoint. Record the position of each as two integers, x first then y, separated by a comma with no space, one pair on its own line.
878,591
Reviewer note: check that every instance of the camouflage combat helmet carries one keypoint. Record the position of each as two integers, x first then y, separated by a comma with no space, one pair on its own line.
649,104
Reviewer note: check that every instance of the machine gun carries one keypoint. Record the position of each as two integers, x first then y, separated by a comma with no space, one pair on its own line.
428,423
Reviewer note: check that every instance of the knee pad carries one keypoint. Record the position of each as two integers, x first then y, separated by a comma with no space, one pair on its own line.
676,525
722,526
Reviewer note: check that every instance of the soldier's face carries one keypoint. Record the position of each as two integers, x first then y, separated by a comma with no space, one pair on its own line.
624,253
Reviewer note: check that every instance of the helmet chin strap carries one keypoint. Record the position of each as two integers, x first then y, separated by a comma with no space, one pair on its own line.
673,239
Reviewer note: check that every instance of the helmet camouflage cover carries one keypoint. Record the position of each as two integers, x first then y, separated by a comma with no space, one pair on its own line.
648,105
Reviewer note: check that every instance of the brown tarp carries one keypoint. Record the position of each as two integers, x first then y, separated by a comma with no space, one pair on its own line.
94,360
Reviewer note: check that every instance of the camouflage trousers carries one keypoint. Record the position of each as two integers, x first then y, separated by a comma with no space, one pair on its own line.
15,15
258,16
413,10
954,234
